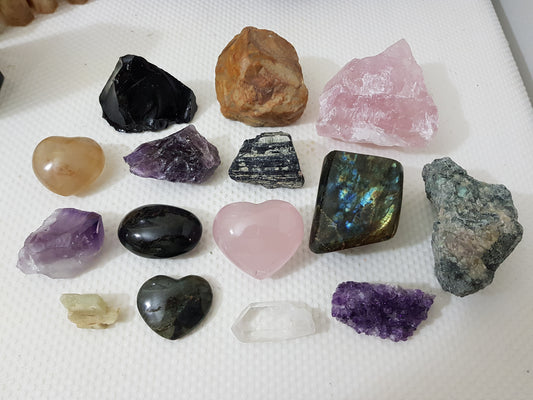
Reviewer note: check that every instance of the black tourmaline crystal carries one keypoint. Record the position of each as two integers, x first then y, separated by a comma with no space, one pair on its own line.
269,160
139,97
1,80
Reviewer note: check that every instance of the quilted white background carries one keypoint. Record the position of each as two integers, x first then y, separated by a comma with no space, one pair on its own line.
478,347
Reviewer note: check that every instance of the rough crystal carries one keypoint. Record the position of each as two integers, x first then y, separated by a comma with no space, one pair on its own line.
273,321
139,96
269,160
159,231
184,156
174,307
64,244
380,310
358,201
475,230
259,80
259,238
67,165
89,311
381,100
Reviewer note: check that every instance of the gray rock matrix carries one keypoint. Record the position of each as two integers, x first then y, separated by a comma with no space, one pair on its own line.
476,227
269,160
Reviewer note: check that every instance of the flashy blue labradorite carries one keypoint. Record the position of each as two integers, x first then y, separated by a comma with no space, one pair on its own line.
358,201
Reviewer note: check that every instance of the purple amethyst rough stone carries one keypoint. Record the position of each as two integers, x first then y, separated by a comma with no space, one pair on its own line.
389,312
64,245
184,156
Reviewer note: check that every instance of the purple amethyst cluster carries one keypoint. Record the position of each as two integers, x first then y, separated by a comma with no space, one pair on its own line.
380,310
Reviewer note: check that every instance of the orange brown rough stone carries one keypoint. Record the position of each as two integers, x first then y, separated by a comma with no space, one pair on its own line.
259,80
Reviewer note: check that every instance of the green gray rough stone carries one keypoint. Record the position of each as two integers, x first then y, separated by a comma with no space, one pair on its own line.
476,227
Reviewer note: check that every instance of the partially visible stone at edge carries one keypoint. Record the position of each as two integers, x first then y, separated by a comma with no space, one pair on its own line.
476,227
259,80
269,160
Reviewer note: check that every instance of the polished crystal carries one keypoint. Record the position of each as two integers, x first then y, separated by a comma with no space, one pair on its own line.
259,238
358,201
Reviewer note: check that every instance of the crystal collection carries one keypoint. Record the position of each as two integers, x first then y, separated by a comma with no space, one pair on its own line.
258,80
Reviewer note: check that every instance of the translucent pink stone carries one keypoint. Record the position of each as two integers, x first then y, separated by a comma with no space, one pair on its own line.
381,100
259,238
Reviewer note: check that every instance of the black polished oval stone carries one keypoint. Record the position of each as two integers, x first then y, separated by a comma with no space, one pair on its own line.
173,307
159,231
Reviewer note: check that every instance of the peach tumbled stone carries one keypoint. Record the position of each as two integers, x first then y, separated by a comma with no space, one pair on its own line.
67,165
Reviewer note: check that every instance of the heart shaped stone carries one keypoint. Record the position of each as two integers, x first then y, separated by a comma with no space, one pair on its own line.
259,238
66,165
173,307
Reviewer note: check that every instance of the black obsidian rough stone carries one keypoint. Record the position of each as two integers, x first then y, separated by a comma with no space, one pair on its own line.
159,231
139,97
174,307
1,80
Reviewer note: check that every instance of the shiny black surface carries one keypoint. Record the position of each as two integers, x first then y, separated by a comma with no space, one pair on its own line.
139,97
174,307
159,231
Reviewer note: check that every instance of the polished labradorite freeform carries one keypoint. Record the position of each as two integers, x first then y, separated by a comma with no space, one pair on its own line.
173,307
159,231
358,201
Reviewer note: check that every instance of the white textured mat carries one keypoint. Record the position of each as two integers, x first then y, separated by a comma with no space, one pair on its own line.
478,347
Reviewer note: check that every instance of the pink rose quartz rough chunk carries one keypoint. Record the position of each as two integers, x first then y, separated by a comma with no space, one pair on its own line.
381,100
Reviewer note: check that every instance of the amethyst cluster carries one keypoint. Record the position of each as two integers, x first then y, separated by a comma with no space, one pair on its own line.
380,310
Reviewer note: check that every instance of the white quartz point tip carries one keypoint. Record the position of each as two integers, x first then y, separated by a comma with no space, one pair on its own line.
273,321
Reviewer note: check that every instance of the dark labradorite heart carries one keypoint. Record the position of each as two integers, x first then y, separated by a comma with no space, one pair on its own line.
358,201
159,231
173,307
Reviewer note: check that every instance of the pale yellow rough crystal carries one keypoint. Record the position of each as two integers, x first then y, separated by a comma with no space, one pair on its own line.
89,311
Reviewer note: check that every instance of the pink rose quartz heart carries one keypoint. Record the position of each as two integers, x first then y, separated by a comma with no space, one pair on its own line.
259,238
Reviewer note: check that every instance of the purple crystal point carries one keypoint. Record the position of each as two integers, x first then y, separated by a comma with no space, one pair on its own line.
380,310
184,156
63,245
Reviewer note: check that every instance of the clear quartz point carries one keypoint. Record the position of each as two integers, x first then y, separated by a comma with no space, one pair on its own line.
273,321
